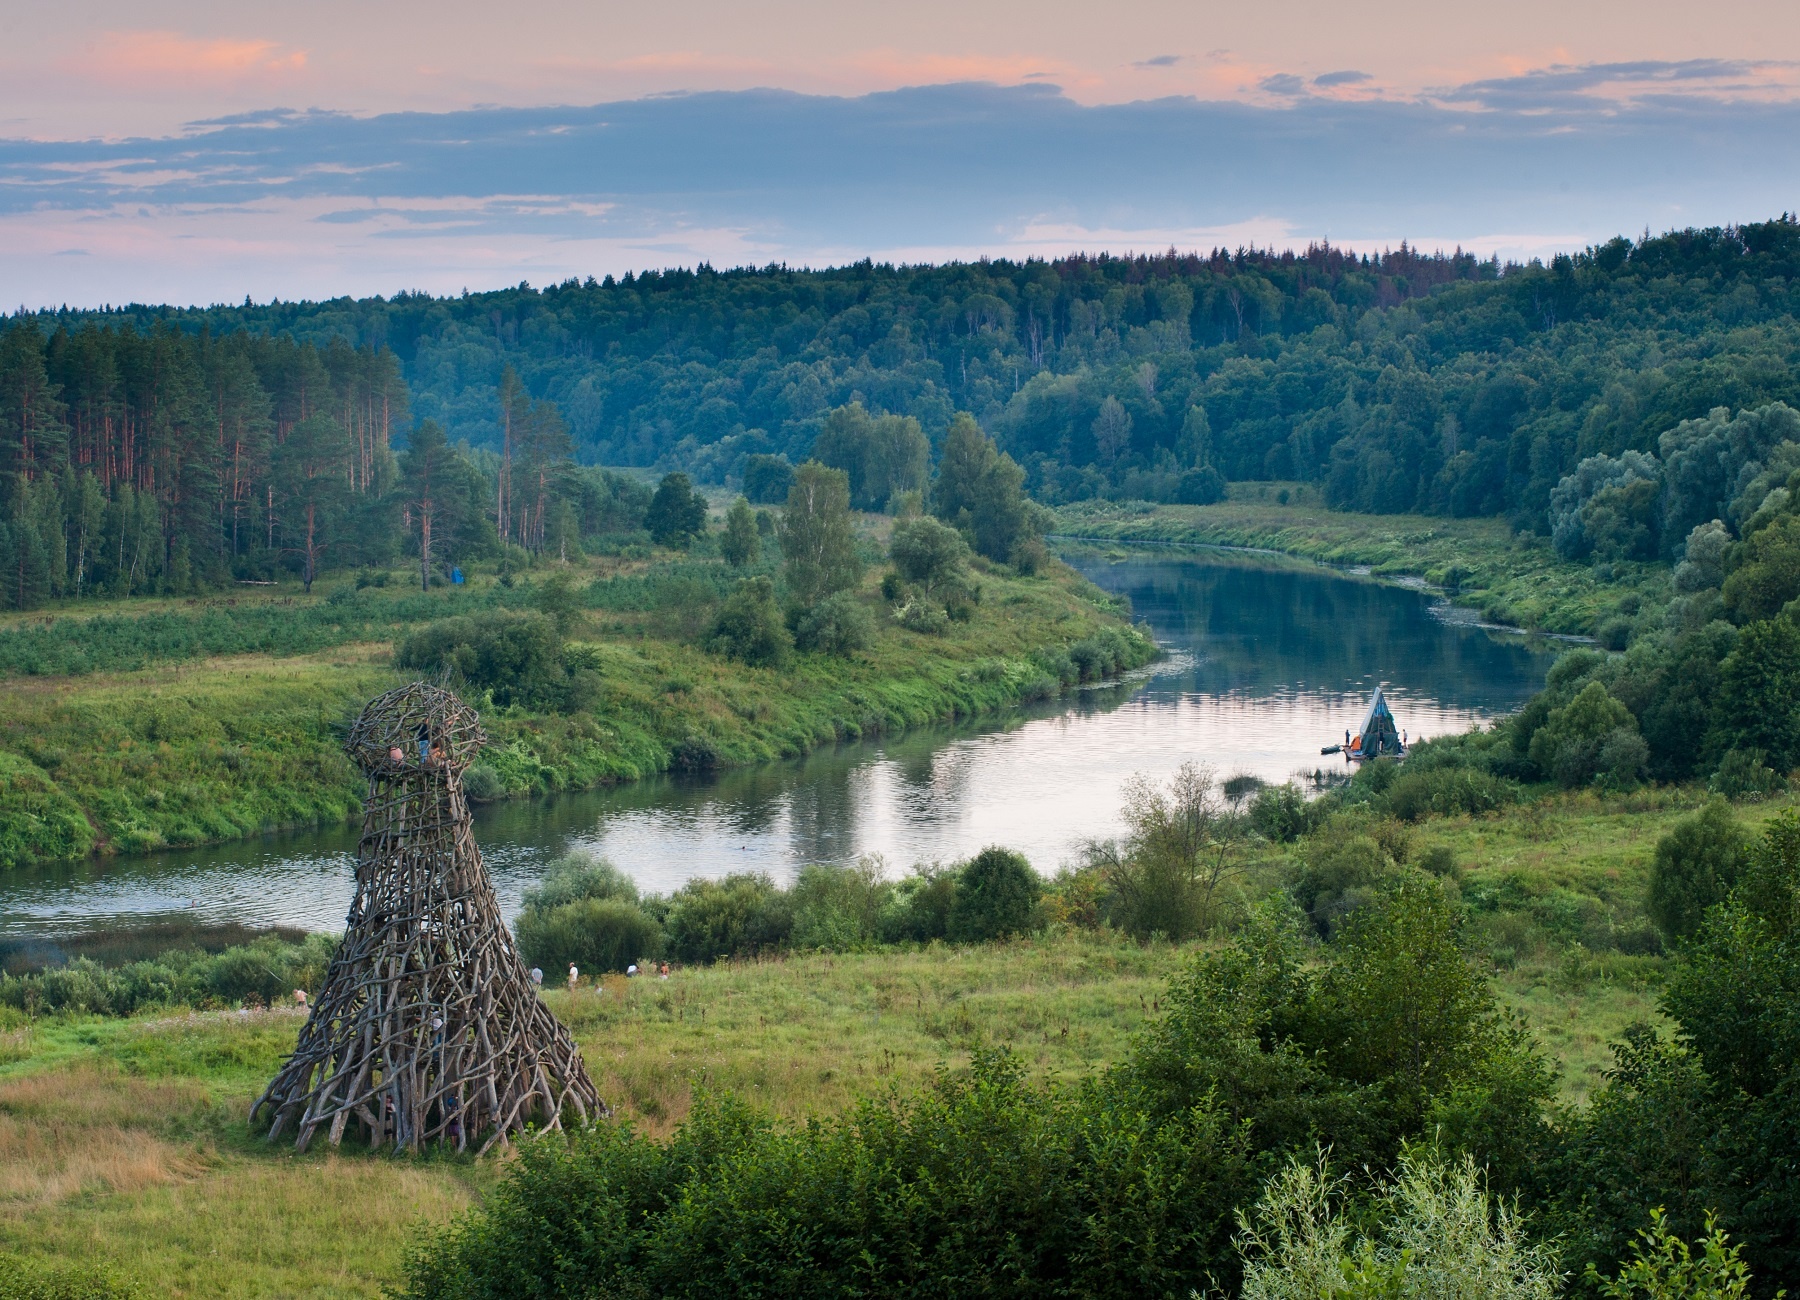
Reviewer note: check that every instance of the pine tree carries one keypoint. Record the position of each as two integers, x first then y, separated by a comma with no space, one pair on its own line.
311,485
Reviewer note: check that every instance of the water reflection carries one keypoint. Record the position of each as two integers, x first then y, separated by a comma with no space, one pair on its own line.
1268,660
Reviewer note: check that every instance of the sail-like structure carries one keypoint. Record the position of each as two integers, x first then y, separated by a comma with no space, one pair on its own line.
1378,735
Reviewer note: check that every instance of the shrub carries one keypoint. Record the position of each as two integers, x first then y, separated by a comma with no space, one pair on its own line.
996,896
267,970
738,916
1166,877
1592,737
576,876
839,907
1663,1266
1201,487
918,909
1344,864
1029,557
1360,1047
517,658
750,626
1448,791
924,616
1437,1233
694,752
1745,774
837,625
1280,813
981,1185
1696,865
482,784
597,934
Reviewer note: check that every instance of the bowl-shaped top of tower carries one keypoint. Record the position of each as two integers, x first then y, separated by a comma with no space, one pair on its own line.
415,727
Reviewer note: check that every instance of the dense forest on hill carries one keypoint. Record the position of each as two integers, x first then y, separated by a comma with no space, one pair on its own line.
1399,381
160,450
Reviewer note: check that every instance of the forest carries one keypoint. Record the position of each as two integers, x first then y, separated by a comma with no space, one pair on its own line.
160,463
164,450
1398,381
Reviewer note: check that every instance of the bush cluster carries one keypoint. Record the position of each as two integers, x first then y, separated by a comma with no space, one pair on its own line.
517,658
585,911
266,971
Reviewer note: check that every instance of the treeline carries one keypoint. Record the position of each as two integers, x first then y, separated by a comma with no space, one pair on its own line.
142,462
158,462
1696,677
1396,382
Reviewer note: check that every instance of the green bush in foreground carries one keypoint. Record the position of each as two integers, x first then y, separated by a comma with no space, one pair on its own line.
989,1185
23,1277
1664,1267
982,1185
1434,1232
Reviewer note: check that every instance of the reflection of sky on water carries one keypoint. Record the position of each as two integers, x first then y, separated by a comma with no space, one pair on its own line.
1268,662
1043,787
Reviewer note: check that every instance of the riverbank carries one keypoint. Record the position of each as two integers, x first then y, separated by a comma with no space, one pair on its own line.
1511,578
187,747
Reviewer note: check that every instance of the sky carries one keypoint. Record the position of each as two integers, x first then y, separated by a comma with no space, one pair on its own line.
199,151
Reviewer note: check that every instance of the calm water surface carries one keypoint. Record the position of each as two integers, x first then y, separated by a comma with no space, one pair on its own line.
1268,660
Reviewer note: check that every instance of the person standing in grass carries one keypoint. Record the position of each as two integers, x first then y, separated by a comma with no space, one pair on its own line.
574,977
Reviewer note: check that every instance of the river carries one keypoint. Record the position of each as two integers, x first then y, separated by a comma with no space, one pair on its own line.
1268,659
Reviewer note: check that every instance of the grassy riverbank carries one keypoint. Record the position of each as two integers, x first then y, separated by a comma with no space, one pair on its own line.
186,747
1513,578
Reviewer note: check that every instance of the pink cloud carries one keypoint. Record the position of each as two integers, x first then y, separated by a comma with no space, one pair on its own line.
160,59
890,68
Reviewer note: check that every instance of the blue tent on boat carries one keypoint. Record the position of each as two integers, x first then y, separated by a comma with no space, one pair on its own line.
1378,736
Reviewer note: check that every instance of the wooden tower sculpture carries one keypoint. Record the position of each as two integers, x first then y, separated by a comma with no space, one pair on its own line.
429,1027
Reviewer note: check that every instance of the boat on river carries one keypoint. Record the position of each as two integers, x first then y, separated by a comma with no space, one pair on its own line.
1378,737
